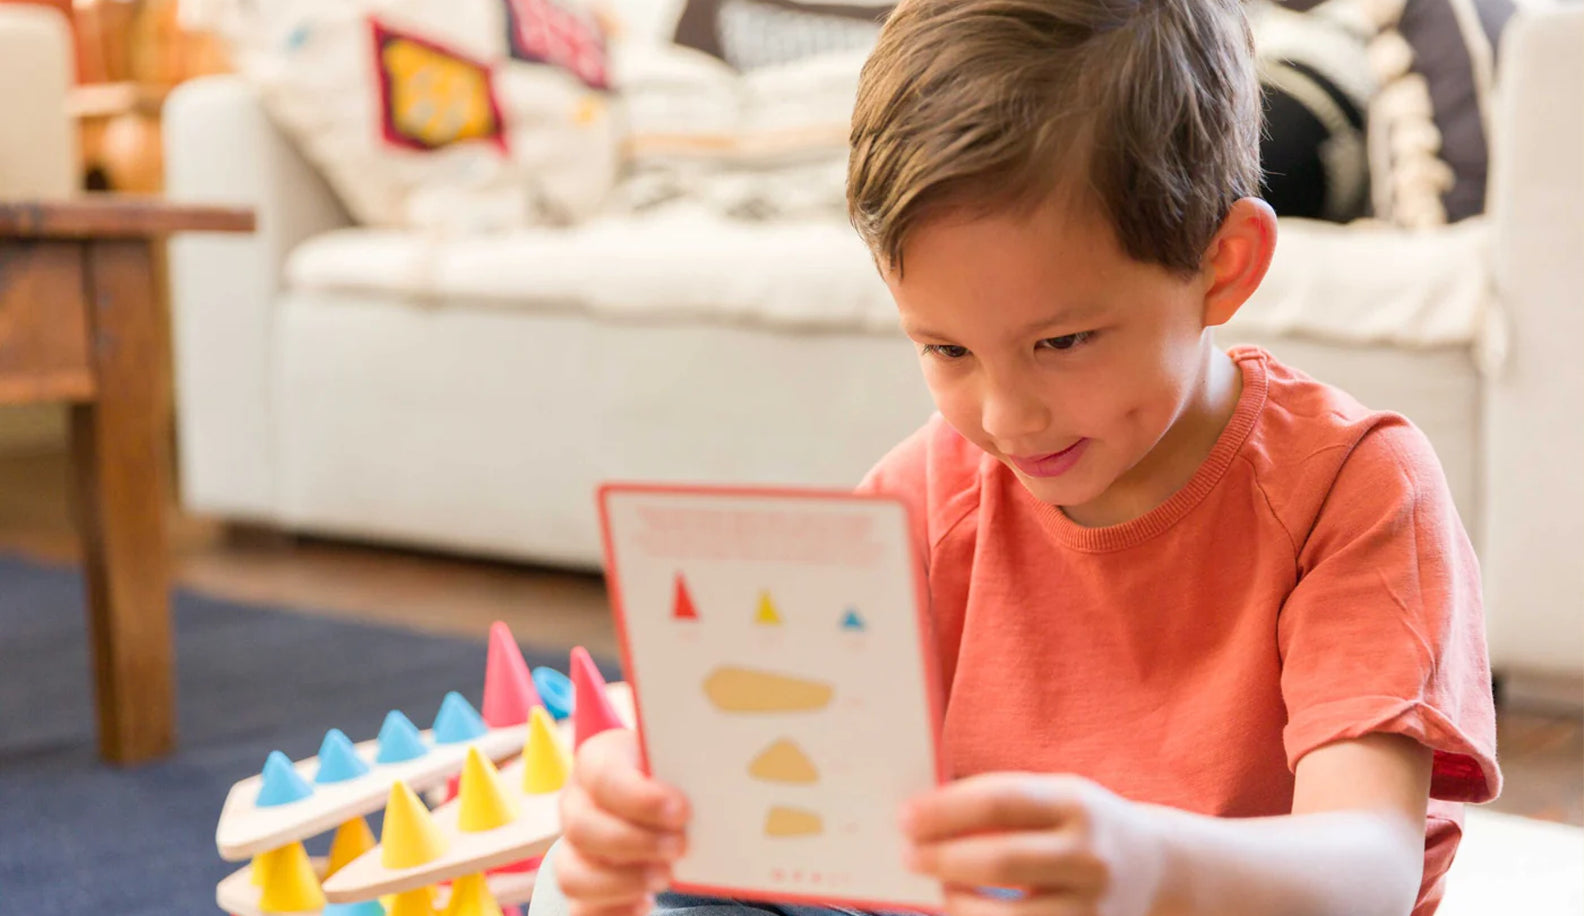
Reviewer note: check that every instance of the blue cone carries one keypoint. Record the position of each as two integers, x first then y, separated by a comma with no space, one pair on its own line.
361,908
338,759
282,783
555,691
399,739
852,621
457,721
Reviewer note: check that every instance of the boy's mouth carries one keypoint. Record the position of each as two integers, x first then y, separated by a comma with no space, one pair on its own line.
1054,464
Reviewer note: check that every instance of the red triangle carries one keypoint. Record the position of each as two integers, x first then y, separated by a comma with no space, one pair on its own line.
592,711
684,602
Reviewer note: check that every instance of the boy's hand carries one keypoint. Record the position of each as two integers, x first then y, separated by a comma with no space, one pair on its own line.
621,830
1067,845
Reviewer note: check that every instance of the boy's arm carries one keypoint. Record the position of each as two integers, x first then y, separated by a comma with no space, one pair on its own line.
1353,846
1354,843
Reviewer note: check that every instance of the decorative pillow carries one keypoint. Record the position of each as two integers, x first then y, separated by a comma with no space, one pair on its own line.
756,33
1434,60
429,113
769,143
1315,82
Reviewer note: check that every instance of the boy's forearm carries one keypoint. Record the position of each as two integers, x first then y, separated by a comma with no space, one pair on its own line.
1348,863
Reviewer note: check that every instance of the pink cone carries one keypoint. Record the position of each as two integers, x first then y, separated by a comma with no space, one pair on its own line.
509,692
592,712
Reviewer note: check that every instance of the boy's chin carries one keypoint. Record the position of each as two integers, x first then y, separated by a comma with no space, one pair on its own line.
1074,488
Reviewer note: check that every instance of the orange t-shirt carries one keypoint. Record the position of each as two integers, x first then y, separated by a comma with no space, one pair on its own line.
1310,583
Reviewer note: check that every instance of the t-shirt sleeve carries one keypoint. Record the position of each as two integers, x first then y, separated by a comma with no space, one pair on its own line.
1384,631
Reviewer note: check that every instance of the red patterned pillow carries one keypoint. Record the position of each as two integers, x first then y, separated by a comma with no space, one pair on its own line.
546,32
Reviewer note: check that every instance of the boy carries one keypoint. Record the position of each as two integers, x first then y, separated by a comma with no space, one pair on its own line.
1210,630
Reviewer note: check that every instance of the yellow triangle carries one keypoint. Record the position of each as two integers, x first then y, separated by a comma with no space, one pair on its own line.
290,884
784,761
470,896
767,611
545,762
351,840
410,836
256,872
482,797
417,902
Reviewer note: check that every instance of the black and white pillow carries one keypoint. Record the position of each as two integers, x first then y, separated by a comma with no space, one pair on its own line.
1434,61
1315,86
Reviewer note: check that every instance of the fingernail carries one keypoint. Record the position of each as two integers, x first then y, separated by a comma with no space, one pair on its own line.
671,847
672,812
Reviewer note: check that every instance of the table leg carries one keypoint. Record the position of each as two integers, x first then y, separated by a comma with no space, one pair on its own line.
120,456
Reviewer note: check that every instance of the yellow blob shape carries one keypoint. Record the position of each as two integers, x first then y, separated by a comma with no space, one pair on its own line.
784,761
783,821
767,611
545,761
747,690
417,902
290,885
470,896
588,108
410,836
352,839
483,800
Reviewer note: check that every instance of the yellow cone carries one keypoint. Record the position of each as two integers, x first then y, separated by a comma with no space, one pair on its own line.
410,836
470,896
351,840
482,797
290,885
417,902
545,761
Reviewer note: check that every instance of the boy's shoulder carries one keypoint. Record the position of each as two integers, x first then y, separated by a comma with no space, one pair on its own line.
936,472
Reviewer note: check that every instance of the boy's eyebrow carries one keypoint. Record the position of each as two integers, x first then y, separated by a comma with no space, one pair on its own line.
1068,316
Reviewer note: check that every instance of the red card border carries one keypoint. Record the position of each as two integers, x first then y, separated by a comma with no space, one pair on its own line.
932,681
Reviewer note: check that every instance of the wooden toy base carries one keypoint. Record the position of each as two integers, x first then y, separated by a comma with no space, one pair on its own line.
536,827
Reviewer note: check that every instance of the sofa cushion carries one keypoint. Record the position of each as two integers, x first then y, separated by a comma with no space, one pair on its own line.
1364,283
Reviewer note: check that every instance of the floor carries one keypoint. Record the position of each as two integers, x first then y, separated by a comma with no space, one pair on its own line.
1540,728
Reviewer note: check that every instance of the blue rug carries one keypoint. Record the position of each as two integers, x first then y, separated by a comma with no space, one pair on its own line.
79,838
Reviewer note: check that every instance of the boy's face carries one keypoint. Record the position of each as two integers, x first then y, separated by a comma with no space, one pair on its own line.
1047,346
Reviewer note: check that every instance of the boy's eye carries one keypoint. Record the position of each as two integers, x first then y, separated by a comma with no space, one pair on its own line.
945,351
1067,341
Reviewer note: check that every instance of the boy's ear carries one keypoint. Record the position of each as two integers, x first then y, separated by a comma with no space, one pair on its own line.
1237,257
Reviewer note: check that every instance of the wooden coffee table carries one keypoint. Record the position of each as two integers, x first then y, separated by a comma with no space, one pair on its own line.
80,323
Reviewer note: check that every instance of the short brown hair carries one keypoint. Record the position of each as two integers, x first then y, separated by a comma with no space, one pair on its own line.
1150,108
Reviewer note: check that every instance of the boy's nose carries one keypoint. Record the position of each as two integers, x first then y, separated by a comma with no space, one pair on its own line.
1013,416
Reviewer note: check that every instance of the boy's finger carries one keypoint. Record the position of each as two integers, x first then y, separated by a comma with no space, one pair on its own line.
1037,859
994,801
588,882
608,838
610,773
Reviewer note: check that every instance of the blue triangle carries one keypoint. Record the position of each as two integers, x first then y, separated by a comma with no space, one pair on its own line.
361,908
338,759
852,621
282,783
555,691
457,721
399,739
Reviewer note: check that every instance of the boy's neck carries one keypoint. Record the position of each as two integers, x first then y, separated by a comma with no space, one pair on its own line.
1178,455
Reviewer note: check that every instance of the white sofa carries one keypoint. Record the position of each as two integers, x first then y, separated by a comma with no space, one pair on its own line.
468,394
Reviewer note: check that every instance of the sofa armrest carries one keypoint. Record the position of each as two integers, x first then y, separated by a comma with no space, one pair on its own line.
1534,407
221,147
